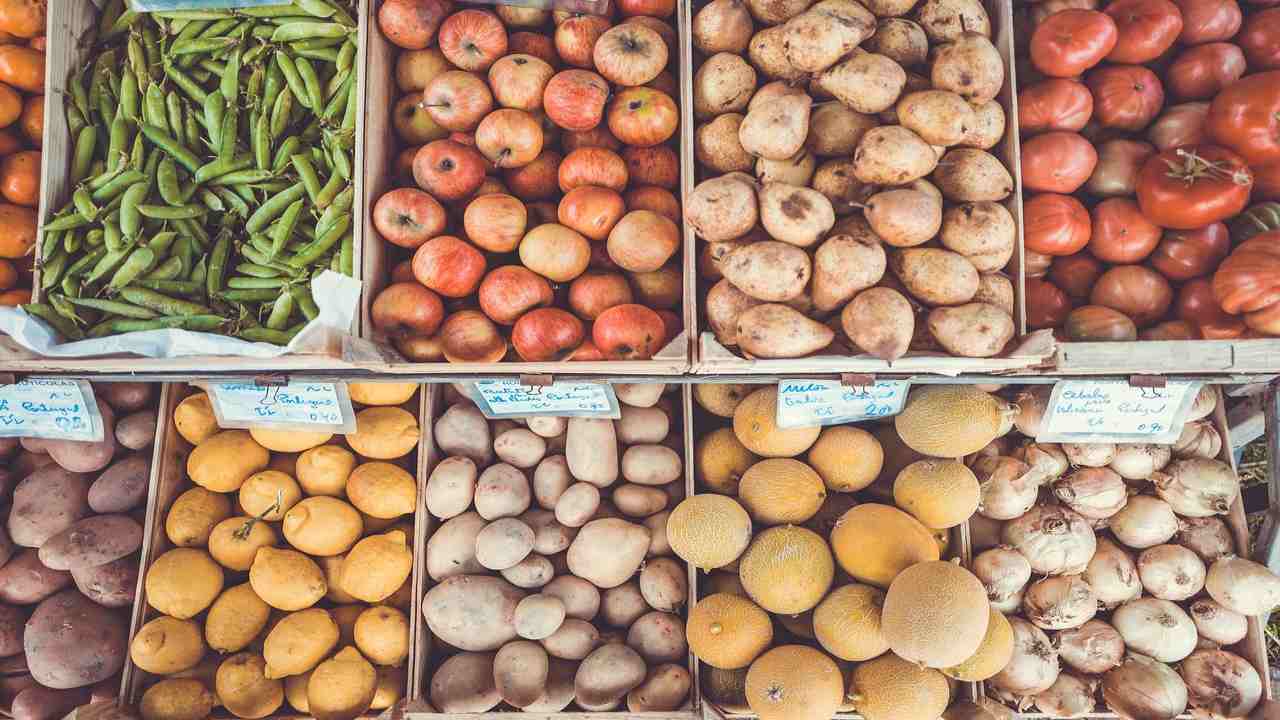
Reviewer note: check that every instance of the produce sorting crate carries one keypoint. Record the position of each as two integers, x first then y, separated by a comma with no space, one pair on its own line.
1167,357
169,479
380,150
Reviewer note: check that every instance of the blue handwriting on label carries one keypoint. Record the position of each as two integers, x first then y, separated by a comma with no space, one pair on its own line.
823,402
49,408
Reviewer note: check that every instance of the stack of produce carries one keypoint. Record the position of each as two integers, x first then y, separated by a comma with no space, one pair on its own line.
211,169
555,581
22,46
868,134
1148,125
780,510
69,557
537,203
288,577
1139,588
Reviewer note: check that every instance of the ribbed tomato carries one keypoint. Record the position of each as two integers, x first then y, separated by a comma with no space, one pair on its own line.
1120,232
1075,274
1208,20
1179,125
1054,104
1057,162
1047,305
1260,40
1196,305
1125,97
1055,224
1245,117
1146,28
1072,41
1094,323
1201,72
1170,330
1248,282
1193,186
1135,290
1186,254
1266,181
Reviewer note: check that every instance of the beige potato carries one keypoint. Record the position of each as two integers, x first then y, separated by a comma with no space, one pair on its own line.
451,487
651,465
664,584
520,672
591,449
657,524
581,599
835,129
983,232
641,425
550,479
845,265
879,321
723,84
867,82
971,330
716,145
995,288
549,536
846,193
658,637
607,674
797,215
639,501
503,543
464,683
795,170
547,426
723,208
577,505
767,53
769,270
623,605
472,612
988,126
830,29
946,20
778,331
463,430
972,175
608,552
520,447
892,155
531,573
639,394
539,616
900,40
938,116
664,689
971,67
904,217
935,276
451,549
558,693
776,129
723,305
573,640
502,491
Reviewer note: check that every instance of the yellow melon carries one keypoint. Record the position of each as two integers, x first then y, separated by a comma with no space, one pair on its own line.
719,461
781,490
847,458
786,569
994,653
728,631
847,622
755,423
727,689
874,543
939,493
794,682
720,398
951,421
936,614
890,688
708,531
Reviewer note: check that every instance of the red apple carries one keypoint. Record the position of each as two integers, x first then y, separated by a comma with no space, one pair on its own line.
591,210
406,308
642,241
408,217
449,265
575,99
509,138
598,136
457,100
594,292
657,165
576,38
490,186
520,16
403,272
473,39
630,54
519,80
448,170
587,352
537,180
547,334
496,222
652,197
593,166
550,131
413,122
665,82
664,30
643,116
652,8
538,45
416,68
628,332
671,322
510,291
420,348
469,336
660,289
412,24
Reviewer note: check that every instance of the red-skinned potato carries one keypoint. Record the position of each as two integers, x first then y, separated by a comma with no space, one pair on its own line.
449,265
412,24
472,39
591,210
408,217
495,222
547,334
628,332
594,292
407,309
508,292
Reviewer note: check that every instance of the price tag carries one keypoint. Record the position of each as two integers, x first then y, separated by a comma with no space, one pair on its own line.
827,402
296,406
50,408
508,398
1115,411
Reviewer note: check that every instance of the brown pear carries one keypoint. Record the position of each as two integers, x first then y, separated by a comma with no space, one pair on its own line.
776,129
880,321
777,331
723,306
845,265
716,145
817,38
722,26
795,170
793,214
866,82
904,218
723,208
935,276
769,270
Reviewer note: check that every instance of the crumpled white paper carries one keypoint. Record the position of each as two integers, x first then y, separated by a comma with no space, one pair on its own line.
336,295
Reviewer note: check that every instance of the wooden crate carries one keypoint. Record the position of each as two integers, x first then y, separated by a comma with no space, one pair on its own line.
1168,357
169,479
380,150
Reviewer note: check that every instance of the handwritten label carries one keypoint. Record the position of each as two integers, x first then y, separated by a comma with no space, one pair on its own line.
827,402
299,406
508,398
50,408
1115,411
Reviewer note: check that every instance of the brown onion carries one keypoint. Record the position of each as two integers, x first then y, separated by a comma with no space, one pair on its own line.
1089,454
1144,689
1008,487
1055,540
1144,522
1092,648
1156,628
1069,697
1138,461
1218,623
1205,403
1116,174
1220,683
1031,404
1003,572
1113,574
1179,125
1047,459
1059,602
1198,487
1171,572
1210,538
1243,585
1034,665
1095,493
1199,438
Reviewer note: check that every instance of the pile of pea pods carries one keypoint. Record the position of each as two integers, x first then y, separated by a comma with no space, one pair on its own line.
212,172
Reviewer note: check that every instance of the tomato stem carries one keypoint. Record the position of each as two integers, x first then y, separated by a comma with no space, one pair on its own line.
1194,167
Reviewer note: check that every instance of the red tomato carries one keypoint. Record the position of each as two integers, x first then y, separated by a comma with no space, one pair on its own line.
1186,254
1208,20
1245,117
1041,11
1075,274
1179,125
1125,97
1057,162
1072,41
1192,186
1055,224
1135,290
1261,40
1120,233
1200,72
1197,305
1054,104
1146,29
1266,181
1047,305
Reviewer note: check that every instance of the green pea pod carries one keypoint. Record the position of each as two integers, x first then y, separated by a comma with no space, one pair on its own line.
86,143
129,100
107,265
353,102
266,335
323,244
291,77
249,294
151,45
230,83
217,264
347,255
83,201
175,149
127,19
72,241
79,95
66,222
330,190
161,242
139,262
209,14
311,82
166,212
51,271
283,229
137,59
280,113
185,83
127,176
294,31
192,127
200,271
341,163
255,283
274,207
315,8
220,167
313,44
272,84
242,177
202,46
154,111
162,303
138,156
170,269
347,56
171,287
114,307
111,235
117,154
49,315
254,270
167,182
86,261
203,323
236,204
49,244
287,149
302,298
130,212
173,108
281,309
211,200
261,142
324,55
337,103
253,57
230,133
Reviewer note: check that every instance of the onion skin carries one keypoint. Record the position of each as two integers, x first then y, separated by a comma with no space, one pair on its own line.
1218,623
1199,438
983,709
1059,602
1090,454
1138,461
1004,572
1144,522
1221,683
1034,665
1156,628
1055,540
1031,405
1113,575
1243,585
1198,487
1171,572
1210,538
1069,697
1094,493
1092,648
1048,459
1205,403
1008,487
1144,689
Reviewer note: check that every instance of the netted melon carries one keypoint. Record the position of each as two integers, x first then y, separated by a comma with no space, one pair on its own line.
993,654
936,614
728,631
939,493
847,622
951,421
708,531
756,425
874,543
794,682
781,490
720,398
787,569
890,688
719,461
847,458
